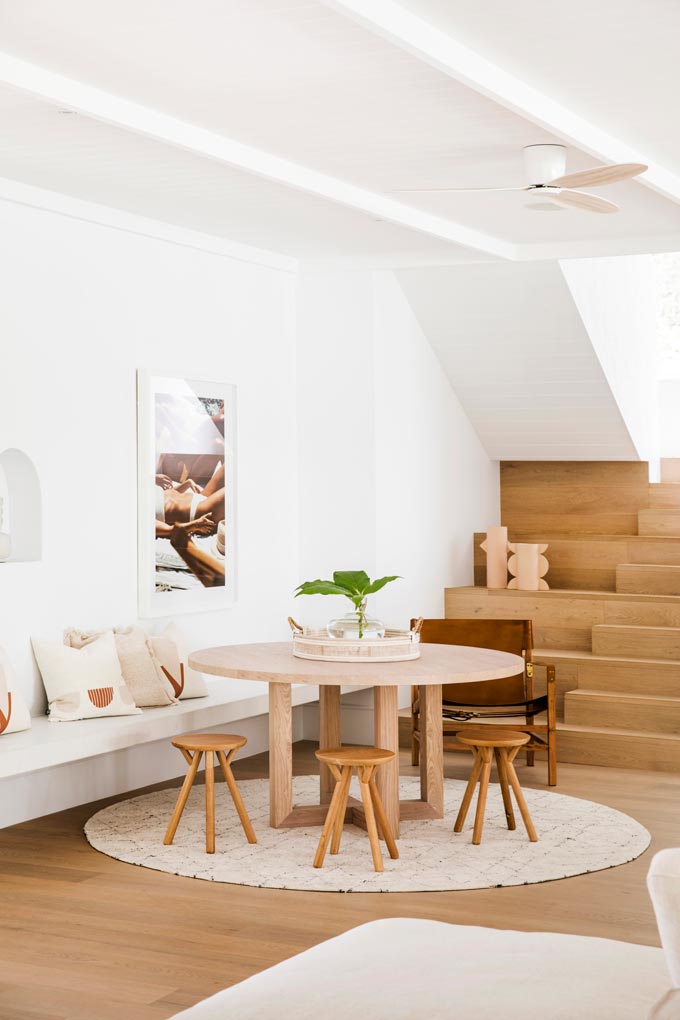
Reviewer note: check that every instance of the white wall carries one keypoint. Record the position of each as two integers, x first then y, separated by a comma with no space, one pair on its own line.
353,450
336,431
435,483
615,298
83,307
393,478
669,417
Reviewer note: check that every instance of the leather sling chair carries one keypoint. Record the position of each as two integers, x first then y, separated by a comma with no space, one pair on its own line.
512,698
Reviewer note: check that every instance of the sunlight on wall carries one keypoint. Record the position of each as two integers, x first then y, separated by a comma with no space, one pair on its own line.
668,314
22,517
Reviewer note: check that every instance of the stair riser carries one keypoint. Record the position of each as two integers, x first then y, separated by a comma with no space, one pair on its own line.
659,678
634,752
637,644
659,522
562,619
670,470
583,711
636,579
588,564
664,496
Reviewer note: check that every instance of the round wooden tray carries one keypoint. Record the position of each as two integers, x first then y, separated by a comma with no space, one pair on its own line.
396,646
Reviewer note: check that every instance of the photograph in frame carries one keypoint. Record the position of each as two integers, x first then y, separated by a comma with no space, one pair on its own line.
186,469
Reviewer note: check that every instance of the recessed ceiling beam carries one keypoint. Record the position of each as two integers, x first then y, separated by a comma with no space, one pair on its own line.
143,120
437,48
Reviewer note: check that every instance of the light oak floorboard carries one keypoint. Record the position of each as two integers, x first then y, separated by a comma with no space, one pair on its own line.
85,937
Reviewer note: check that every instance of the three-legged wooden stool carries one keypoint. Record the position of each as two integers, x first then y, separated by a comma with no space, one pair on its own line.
341,761
487,742
193,747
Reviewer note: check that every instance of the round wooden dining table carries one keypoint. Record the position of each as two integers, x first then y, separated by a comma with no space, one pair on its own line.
275,664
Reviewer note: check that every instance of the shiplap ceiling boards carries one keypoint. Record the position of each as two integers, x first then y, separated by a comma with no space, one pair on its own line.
522,365
293,126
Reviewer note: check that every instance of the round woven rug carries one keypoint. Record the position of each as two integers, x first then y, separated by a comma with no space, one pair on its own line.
575,837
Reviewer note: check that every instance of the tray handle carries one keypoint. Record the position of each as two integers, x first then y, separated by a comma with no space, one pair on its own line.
294,626
417,627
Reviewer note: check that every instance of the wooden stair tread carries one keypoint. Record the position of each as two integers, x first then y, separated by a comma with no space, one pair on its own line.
578,536
634,626
575,593
652,566
583,692
579,655
612,731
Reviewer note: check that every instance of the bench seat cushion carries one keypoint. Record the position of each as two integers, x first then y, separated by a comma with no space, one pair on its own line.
406,969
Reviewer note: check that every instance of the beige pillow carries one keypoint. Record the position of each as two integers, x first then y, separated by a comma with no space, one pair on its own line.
170,670
147,688
194,682
83,683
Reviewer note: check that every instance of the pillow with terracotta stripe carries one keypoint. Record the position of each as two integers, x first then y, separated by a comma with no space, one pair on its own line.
193,683
14,714
147,687
83,683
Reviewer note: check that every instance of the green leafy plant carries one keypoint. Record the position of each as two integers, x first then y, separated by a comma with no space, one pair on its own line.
355,585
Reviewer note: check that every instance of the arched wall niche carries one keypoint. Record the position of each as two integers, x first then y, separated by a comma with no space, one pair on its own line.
22,505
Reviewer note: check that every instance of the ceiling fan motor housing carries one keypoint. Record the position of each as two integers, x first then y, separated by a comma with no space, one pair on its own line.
544,163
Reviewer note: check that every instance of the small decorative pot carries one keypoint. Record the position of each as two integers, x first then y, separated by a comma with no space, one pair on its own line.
529,566
356,625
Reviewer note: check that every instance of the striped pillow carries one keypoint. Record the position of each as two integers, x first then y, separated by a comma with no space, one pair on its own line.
83,683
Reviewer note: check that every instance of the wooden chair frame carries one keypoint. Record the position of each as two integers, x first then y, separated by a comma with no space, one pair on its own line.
521,715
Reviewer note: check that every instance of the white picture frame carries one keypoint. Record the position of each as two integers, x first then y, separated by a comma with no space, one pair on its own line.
186,538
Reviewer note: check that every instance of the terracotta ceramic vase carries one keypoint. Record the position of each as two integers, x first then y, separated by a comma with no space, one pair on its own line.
529,566
496,548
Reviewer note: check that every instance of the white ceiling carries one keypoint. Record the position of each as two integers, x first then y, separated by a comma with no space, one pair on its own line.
523,365
86,159
303,81
612,61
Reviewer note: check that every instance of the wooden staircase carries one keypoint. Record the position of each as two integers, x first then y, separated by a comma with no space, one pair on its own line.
611,621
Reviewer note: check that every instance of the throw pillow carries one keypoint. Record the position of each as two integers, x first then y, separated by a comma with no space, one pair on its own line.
194,682
137,666
83,683
14,714
166,659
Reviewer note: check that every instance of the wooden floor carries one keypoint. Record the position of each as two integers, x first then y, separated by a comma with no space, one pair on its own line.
85,937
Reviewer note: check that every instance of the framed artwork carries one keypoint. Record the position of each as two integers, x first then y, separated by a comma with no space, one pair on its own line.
186,436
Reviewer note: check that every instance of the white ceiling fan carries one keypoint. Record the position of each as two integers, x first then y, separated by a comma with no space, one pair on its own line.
544,167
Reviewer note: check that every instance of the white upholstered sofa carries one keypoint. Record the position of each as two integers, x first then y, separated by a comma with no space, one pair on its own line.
406,969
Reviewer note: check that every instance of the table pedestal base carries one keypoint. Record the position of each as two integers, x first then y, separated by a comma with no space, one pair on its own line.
386,735
315,814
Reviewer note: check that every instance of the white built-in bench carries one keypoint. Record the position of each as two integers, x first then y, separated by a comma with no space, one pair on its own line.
48,744
56,765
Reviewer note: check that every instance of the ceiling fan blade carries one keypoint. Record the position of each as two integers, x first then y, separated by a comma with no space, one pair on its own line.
432,191
581,200
598,175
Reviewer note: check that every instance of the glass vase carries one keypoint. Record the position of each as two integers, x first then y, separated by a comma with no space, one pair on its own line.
356,625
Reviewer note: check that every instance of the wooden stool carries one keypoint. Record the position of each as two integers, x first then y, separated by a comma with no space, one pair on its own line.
208,744
503,745
341,761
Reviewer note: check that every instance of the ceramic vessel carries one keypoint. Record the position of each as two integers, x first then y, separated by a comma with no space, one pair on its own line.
529,565
496,548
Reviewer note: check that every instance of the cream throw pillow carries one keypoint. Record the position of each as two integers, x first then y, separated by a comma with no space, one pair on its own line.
194,682
165,655
147,688
14,714
83,683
